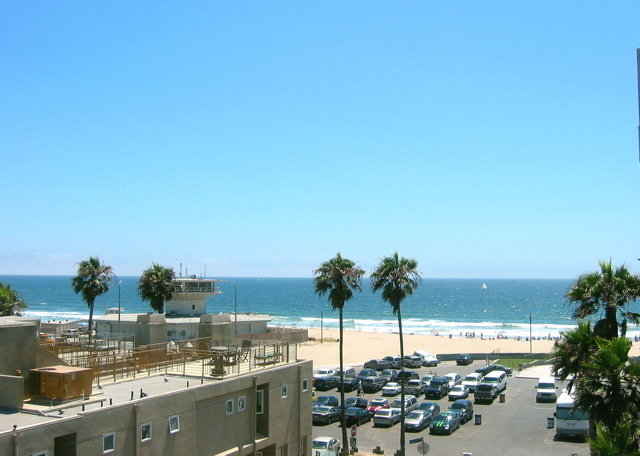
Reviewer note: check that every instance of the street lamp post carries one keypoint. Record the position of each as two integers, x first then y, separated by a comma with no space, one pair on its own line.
119,311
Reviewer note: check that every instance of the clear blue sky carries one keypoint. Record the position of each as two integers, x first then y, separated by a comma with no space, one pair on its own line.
484,139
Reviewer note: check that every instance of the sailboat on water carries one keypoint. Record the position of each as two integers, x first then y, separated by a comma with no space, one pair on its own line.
484,286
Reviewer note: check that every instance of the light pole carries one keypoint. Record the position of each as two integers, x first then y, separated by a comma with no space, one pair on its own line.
119,311
235,305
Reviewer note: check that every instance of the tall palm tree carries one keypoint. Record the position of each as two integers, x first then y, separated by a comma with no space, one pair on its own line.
10,301
397,277
609,290
339,277
91,280
156,286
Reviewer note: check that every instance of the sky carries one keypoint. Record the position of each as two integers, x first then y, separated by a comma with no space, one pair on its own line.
258,139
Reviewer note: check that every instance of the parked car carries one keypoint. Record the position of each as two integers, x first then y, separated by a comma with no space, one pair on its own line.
386,417
438,388
408,375
389,375
325,383
325,446
348,384
427,378
445,423
377,364
472,380
493,367
463,407
464,359
458,392
394,361
325,415
364,373
410,403
431,407
417,420
377,404
415,387
453,378
391,389
372,384
320,373
348,372
412,361
326,401
485,392
546,390
356,416
428,359
359,402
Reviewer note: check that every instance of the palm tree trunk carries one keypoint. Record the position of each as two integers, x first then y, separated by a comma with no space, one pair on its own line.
402,443
91,319
345,444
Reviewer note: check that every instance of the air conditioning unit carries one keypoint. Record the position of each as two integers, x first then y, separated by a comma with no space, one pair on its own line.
60,382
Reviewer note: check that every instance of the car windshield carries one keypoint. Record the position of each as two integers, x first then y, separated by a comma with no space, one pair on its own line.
457,405
563,413
319,445
546,386
484,387
436,382
383,413
415,415
457,388
352,411
378,402
470,378
322,409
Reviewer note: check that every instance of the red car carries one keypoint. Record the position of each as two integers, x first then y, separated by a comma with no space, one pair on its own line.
376,404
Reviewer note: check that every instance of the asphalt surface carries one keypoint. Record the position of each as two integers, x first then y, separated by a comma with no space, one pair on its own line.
518,426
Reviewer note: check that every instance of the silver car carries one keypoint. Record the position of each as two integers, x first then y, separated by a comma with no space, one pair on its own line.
386,417
417,420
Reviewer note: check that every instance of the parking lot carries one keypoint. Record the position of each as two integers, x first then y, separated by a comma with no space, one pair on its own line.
517,426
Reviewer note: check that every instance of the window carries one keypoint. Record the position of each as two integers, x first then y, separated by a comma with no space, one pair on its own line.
305,385
242,403
174,424
42,453
229,407
145,432
285,390
259,402
108,443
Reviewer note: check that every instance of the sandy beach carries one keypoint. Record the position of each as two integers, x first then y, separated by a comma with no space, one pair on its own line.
362,346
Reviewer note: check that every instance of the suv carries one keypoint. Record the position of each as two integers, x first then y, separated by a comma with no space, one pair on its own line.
485,392
389,375
325,383
464,408
464,359
412,361
410,403
364,373
394,361
372,384
438,388
377,364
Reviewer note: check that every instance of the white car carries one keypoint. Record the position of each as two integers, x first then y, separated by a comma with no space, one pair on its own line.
391,389
472,380
320,373
325,446
458,392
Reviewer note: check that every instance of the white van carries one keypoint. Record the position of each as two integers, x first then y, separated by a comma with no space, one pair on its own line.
546,390
498,378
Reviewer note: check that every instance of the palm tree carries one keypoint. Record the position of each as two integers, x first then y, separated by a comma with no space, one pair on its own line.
91,280
608,290
613,442
10,301
397,277
572,351
156,286
339,277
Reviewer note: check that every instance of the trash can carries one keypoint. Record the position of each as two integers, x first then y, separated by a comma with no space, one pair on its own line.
478,418
502,397
550,423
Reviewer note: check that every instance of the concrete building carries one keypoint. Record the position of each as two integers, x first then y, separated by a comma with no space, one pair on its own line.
261,410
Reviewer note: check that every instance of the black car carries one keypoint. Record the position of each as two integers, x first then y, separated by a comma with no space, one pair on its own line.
348,384
464,359
464,408
438,388
364,373
493,367
356,415
325,383
445,423
359,402
408,375
377,364
331,401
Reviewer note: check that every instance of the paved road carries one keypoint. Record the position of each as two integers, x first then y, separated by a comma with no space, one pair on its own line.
516,427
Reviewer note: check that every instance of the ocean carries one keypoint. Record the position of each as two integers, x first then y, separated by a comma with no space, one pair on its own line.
491,308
